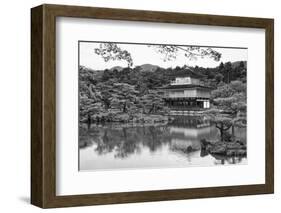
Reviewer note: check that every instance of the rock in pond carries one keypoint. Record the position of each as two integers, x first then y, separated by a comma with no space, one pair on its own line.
236,148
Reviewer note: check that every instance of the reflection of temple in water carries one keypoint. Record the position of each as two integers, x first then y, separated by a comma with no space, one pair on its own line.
186,132
175,144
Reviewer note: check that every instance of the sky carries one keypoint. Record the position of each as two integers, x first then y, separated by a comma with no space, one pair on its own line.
142,54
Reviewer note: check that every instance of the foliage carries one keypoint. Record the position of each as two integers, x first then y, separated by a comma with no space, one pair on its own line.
114,99
132,94
230,97
110,51
170,52
229,106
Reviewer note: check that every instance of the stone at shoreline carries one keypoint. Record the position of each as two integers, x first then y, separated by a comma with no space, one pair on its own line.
236,148
218,148
233,152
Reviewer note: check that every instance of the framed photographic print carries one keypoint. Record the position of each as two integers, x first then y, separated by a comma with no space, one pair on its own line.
137,106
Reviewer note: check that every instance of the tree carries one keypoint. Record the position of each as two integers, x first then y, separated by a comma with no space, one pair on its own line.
117,95
89,96
170,52
221,67
219,78
240,72
153,102
111,51
124,95
229,108
222,121
227,70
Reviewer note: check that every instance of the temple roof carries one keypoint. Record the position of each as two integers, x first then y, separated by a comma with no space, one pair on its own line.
187,72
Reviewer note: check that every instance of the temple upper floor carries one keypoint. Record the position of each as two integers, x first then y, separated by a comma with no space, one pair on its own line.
185,81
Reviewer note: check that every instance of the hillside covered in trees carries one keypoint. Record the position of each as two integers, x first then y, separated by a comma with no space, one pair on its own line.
132,95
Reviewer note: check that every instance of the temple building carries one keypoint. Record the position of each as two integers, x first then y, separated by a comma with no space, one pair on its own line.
187,93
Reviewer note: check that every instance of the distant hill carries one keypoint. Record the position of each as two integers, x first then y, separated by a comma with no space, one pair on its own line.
237,64
147,67
118,68
141,68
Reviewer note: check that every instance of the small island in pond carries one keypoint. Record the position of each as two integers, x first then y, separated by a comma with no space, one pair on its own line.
155,115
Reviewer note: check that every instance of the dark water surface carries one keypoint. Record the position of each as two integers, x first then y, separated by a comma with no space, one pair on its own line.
174,144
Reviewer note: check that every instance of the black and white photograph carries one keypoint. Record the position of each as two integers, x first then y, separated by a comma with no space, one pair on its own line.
145,105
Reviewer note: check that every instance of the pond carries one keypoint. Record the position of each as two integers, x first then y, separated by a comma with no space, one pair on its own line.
172,144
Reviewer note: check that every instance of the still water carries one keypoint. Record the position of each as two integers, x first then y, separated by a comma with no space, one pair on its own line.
174,144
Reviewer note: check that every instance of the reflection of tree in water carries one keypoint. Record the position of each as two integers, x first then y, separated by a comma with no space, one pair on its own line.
230,160
182,136
220,159
128,144
86,137
155,137
124,141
